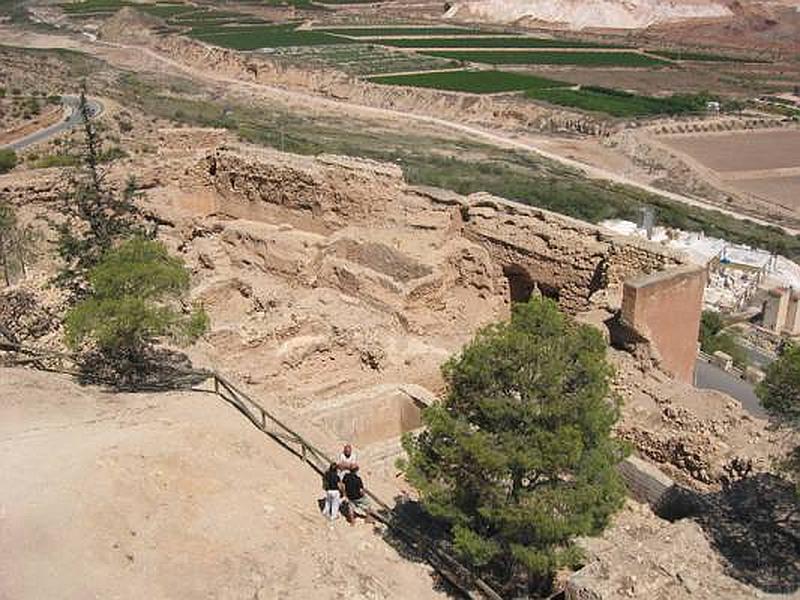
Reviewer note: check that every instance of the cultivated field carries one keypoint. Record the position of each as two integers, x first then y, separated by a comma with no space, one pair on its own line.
695,56
478,82
487,42
619,103
741,151
782,190
269,36
398,31
593,59
765,164
360,59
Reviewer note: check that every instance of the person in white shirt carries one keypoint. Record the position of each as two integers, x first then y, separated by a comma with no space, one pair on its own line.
347,460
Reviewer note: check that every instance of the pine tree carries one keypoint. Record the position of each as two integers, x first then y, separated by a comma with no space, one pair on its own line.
134,301
94,216
779,393
518,459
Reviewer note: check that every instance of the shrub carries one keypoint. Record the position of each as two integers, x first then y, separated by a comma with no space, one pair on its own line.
780,395
133,298
8,160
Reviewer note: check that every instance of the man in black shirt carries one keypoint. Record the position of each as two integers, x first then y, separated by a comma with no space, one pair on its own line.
358,503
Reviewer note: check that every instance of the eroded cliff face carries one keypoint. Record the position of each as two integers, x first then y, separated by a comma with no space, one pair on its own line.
579,14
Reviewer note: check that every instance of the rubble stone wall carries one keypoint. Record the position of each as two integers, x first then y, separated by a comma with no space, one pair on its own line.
568,258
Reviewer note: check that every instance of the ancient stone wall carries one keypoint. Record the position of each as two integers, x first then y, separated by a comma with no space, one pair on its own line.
526,249
567,260
329,187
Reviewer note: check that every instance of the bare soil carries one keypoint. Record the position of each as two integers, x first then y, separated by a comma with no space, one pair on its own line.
170,495
741,151
783,190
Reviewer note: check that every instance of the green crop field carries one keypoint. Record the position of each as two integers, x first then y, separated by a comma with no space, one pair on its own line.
493,42
166,11
271,36
411,30
93,6
620,104
696,56
585,59
477,82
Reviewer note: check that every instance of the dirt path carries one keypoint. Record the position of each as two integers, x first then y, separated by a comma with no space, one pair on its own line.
498,139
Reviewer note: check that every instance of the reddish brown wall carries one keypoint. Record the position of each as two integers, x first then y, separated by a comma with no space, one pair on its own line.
665,308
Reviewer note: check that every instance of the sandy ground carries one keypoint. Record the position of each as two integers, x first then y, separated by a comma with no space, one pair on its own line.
168,496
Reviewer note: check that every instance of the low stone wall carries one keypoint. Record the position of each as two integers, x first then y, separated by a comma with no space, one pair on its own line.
374,415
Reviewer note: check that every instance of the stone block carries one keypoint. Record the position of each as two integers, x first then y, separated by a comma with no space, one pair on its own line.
753,375
722,360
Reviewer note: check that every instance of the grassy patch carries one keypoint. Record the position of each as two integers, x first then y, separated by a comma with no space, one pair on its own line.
494,42
584,59
56,160
252,38
478,82
622,104
410,30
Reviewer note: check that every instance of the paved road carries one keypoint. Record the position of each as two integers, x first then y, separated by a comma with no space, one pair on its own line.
711,377
73,118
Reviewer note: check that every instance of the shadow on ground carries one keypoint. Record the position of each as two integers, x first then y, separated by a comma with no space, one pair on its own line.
754,524
413,534
154,370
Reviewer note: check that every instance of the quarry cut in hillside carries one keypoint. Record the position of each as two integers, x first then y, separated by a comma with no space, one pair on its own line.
578,14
